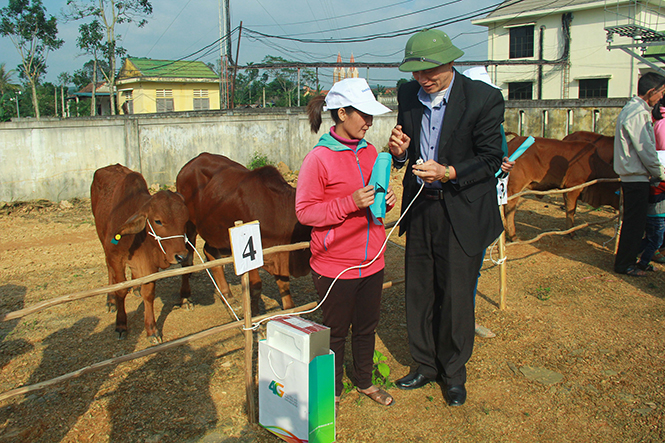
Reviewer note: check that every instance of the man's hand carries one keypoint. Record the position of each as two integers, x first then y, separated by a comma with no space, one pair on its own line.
391,198
507,165
364,197
399,142
431,171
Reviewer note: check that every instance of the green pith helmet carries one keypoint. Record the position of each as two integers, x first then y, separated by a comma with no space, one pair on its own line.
427,49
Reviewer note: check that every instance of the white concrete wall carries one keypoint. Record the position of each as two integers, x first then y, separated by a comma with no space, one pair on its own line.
56,159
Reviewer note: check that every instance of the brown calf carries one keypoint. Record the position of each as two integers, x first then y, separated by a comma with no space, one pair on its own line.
129,220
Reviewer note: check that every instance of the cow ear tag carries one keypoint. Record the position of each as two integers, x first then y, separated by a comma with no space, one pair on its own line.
116,239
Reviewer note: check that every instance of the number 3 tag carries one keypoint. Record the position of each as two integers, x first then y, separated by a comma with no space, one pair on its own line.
246,247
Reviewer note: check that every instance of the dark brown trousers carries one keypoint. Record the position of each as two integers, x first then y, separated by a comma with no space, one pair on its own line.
352,303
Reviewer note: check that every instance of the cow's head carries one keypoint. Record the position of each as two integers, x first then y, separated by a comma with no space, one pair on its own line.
163,217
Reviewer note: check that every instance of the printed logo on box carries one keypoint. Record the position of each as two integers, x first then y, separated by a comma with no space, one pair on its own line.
276,388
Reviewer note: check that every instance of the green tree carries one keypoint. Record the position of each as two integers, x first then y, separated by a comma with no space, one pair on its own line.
64,79
34,35
110,13
284,81
91,41
248,87
83,77
400,82
6,77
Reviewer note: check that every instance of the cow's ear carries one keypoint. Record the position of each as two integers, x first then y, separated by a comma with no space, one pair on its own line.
181,196
134,225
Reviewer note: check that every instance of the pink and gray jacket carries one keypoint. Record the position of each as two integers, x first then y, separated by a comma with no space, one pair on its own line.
342,235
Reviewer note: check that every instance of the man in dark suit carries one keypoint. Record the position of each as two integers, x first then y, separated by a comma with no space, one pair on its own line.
453,124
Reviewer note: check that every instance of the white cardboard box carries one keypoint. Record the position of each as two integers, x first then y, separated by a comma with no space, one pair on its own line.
299,338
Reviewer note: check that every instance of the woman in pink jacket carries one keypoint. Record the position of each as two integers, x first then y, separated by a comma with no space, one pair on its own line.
333,196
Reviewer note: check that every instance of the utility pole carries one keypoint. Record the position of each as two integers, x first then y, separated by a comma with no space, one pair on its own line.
225,52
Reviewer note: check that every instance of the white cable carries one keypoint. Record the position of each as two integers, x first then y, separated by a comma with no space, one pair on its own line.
159,241
257,324
496,262
214,282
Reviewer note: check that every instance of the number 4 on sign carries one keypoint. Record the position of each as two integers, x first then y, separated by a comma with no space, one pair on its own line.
246,247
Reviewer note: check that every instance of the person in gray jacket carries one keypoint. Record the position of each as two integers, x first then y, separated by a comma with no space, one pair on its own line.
636,162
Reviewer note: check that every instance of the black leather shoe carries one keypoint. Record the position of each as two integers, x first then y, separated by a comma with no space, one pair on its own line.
414,380
456,395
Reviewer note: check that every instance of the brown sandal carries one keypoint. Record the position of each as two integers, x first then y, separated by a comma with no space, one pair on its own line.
379,395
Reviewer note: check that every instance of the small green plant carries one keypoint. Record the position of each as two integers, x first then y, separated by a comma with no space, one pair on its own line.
348,387
258,160
543,293
381,372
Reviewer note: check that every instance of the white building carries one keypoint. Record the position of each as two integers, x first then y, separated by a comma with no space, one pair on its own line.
569,40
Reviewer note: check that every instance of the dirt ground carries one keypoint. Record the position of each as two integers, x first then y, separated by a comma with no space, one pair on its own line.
597,338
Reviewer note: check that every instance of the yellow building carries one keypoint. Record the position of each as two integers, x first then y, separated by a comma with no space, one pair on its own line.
147,86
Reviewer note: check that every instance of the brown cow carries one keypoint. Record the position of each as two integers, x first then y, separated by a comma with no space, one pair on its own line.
218,192
604,144
128,221
555,164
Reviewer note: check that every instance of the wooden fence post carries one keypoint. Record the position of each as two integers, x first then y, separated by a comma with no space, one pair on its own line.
249,345
503,273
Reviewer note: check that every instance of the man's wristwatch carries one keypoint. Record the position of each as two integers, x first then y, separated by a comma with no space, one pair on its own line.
446,175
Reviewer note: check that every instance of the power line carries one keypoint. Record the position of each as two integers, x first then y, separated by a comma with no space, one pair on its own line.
169,26
205,48
383,20
352,14
440,23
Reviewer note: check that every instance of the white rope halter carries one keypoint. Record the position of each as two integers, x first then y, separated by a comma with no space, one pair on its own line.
159,239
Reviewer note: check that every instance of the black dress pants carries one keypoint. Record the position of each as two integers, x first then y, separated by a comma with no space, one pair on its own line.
635,205
440,282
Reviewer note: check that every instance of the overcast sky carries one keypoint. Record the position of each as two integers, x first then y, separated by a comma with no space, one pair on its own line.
178,28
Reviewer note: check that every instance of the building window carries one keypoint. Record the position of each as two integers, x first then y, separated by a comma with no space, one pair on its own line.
128,102
593,88
570,121
201,100
521,42
520,91
164,100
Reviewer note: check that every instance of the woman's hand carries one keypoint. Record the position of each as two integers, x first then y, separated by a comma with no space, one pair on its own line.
364,197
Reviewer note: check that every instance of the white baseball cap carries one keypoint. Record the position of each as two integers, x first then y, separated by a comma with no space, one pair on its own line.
479,73
354,92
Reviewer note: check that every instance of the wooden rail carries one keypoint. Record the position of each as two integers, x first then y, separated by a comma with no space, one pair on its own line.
139,281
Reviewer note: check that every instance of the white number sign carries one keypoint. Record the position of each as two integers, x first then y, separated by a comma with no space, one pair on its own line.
246,247
502,190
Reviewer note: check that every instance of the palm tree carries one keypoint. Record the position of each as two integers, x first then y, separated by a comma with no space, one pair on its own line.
6,78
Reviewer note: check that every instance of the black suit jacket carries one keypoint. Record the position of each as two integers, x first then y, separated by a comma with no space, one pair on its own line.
471,142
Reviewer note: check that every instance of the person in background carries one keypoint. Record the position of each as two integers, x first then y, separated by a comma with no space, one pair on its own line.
636,163
658,113
333,196
655,227
452,124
